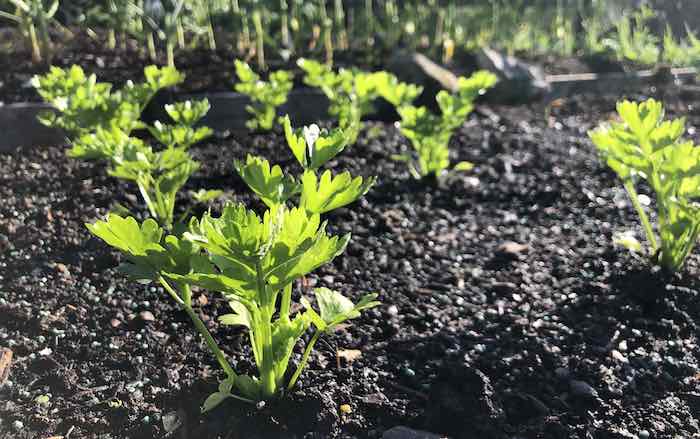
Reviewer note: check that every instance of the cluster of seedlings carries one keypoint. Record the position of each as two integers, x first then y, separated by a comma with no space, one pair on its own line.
253,259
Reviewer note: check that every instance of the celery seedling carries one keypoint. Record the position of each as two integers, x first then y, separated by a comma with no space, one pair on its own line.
645,146
269,183
266,96
106,144
183,134
352,92
159,176
430,134
253,260
82,104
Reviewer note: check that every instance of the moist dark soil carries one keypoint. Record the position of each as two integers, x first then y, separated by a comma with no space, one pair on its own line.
507,312
206,70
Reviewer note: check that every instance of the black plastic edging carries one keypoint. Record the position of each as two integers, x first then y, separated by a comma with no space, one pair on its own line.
20,127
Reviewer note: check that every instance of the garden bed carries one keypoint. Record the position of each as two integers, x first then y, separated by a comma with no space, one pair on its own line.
506,310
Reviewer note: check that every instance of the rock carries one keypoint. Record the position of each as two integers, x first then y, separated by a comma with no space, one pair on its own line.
146,316
582,389
617,355
374,399
512,249
63,269
418,69
462,403
202,300
518,81
349,355
172,421
5,362
115,323
408,433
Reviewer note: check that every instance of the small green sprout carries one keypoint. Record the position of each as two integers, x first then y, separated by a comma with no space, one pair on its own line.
82,105
394,91
159,176
266,96
313,147
321,195
188,112
183,134
269,183
105,144
645,146
430,134
351,93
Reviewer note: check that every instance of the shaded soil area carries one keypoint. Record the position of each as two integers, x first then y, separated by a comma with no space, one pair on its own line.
507,311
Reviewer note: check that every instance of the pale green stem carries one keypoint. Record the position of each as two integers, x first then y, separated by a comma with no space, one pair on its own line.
284,13
267,369
112,39
45,38
170,53
36,49
210,28
147,199
259,39
286,302
201,328
180,30
151,44
646,224
304,360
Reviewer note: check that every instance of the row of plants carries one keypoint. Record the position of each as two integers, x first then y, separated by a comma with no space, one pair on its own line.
253,260
318,29
352,93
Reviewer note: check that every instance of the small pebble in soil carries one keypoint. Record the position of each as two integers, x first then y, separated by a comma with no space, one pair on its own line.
18,425
408,372
643,434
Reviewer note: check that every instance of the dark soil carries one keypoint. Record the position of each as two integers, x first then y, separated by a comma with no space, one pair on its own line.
206,70
507,311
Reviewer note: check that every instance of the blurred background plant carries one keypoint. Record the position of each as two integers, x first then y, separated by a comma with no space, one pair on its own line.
636,31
